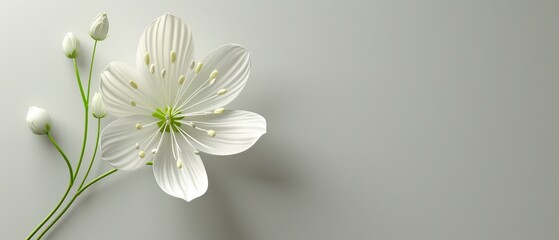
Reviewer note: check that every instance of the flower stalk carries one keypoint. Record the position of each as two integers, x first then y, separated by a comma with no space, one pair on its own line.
78,78
76,195
39,122
86,109
70,184
94,154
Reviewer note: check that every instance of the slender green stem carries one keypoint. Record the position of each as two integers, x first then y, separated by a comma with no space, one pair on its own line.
61,153
94,153
86,106
79,80
70,184
51,212
97,179
73,175
91,69
86,123
74,198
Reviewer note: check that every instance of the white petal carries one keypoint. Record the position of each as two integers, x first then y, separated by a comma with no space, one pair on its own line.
232,63
167,45
236,131
121,85
122,142
187,182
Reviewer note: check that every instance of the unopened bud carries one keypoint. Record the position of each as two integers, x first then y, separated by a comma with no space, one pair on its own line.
99,27
98,106
38,120
70,45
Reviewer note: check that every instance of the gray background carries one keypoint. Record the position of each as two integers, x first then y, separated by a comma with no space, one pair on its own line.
386,120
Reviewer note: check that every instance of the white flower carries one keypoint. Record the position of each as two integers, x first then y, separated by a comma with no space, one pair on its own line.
170,108
38,120
70,45
99,27
98,106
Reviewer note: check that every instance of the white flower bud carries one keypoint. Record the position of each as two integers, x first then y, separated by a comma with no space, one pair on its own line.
38,120
98,106
70,45
99,27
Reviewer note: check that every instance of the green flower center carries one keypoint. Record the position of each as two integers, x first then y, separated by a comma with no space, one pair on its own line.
168,119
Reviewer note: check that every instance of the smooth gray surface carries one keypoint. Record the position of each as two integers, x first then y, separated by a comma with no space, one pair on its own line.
386,120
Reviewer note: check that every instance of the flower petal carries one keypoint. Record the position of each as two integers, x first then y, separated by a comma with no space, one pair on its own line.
120,138
188,181
231,66
125,93
236,131
164,53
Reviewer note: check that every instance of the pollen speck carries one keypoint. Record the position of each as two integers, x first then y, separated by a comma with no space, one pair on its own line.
214,74
211,133
222,91
179,164
133,84
146,58
199,67
173,56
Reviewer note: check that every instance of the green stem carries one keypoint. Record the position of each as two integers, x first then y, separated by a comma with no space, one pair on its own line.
51,213
70,184
79,80
86,123
73,175
86,106
74,198
94,153
61,153
91,69
97,179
